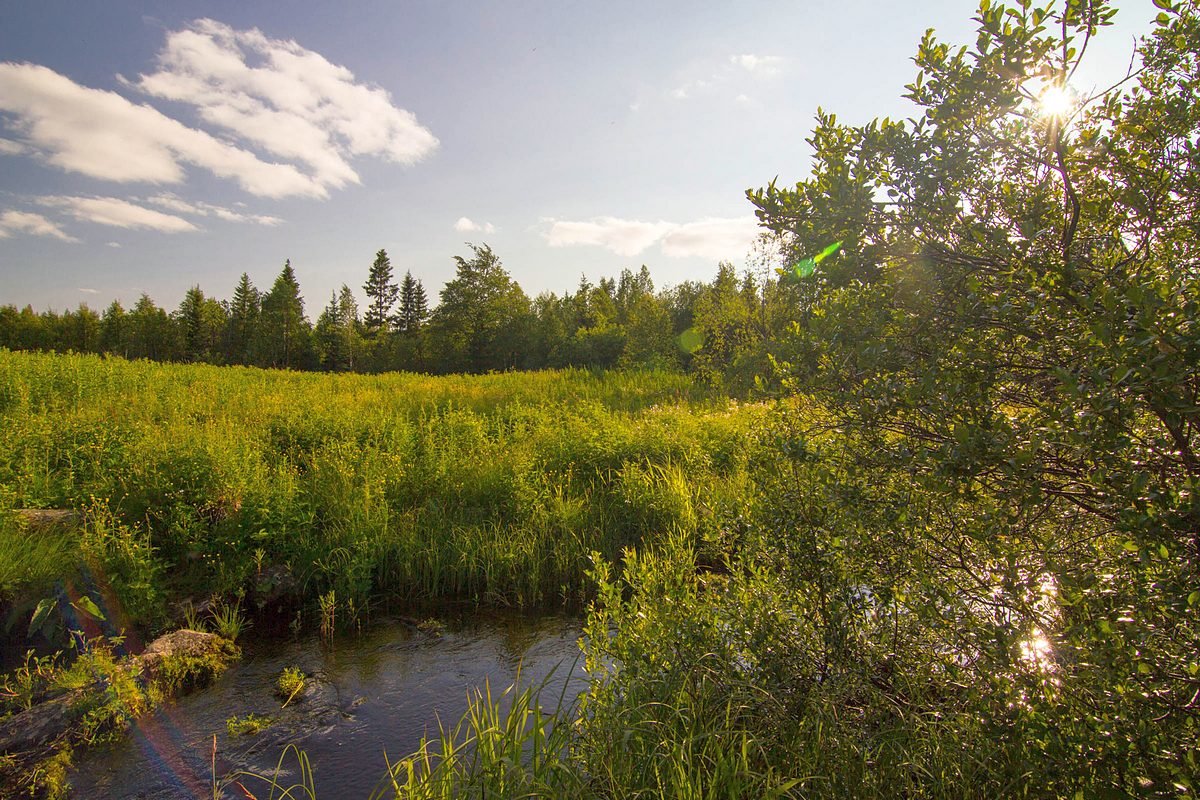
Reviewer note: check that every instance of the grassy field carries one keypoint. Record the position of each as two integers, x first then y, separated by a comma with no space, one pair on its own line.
195,481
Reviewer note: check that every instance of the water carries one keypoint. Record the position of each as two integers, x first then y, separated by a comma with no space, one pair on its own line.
370,695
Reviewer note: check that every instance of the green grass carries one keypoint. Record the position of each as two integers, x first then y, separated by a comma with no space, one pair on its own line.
405,489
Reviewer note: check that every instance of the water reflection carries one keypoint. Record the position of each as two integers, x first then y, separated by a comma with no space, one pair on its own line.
371,695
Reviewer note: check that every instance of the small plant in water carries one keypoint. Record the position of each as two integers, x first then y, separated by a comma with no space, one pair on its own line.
289,683
328,602
249,725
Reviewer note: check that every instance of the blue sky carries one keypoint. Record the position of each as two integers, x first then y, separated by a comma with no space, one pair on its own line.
148,147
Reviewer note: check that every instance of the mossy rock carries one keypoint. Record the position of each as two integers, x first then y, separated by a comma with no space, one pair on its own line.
185,659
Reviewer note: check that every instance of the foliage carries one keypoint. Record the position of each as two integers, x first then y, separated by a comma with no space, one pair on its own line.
505,746
289,683
382,293
249,725
482,322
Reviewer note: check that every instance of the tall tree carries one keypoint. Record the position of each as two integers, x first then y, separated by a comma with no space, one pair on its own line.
1008,349
241,330
414,306
285,334
114,333
201,322
483,321
382,293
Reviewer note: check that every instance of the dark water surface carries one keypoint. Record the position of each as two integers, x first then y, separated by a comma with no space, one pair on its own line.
370,695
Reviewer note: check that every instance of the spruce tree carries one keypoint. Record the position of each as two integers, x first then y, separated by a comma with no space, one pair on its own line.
381,292
242,327
414,307
285,330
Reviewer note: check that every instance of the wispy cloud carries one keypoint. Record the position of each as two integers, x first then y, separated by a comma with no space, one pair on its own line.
113,244
101,134
117,213
712,237
625,237
468,225
286,99
765,66
172,202
10,148
27,222
89,291
710,77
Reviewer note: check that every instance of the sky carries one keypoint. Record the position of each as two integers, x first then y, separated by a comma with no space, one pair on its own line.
150,147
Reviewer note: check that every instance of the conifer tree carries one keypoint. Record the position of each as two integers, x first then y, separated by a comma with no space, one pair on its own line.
414,307
381,293
285,330
242,328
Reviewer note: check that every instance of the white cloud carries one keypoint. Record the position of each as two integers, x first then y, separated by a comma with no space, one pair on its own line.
89,291
118,213
625,237
174,203
711,237
286,99
113,244
765,66
101,134
468,225
10,148
34,224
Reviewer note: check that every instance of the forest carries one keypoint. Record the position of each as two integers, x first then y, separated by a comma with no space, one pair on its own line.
482,322
950,547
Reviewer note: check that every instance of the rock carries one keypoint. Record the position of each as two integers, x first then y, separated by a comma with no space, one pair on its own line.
38,726
185,657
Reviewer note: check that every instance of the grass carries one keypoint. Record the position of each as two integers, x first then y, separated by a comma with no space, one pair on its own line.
486,490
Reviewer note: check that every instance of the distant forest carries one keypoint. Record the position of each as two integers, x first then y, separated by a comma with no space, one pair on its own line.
483,322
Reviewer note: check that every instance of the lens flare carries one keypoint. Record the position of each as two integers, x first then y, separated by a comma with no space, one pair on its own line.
1057,102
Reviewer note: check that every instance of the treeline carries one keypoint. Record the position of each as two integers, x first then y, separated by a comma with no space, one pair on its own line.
483,322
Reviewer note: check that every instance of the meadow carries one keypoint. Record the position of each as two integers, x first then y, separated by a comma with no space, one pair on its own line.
347,492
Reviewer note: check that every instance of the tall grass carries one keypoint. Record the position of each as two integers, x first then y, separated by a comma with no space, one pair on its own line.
395,488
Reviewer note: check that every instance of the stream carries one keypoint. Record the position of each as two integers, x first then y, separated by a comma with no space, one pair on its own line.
370,696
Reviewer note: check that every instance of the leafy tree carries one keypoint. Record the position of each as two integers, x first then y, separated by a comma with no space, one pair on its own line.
483,321
724,318
284,332
381,293
1008,347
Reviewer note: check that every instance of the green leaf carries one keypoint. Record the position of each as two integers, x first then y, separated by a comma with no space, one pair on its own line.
1194,599
40,614
85,605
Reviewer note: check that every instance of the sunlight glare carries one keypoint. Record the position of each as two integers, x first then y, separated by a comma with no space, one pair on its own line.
1057,102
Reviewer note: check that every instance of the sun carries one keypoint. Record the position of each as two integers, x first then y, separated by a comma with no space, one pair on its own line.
1057,102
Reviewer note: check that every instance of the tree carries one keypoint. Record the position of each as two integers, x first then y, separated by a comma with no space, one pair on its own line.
414,307
241,330
483,321
381,293
152,335
1007,346
336,332
201,321
285,334
114,334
